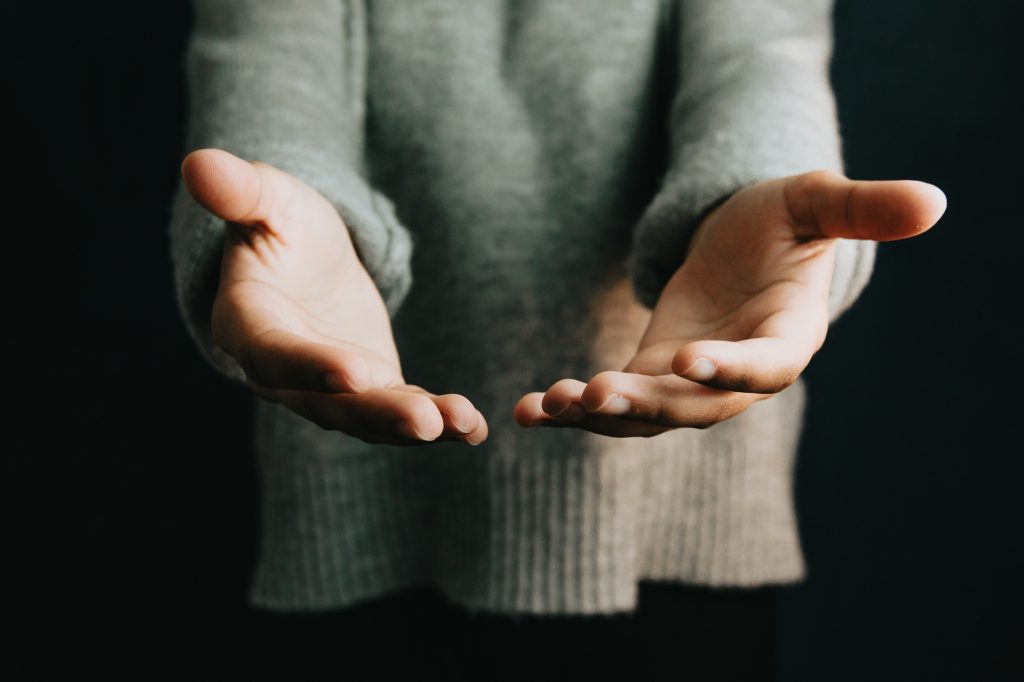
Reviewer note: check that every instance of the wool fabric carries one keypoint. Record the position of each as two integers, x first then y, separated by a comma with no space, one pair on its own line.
520,180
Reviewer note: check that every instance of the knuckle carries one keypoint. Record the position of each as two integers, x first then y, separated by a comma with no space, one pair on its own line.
799,190
812,181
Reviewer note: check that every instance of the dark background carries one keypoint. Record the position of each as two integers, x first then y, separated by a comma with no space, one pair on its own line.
129,493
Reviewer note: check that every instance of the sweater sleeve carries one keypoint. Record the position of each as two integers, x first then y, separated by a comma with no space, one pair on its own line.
752,101
281,82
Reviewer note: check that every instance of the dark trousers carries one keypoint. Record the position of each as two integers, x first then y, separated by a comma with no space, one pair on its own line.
677,632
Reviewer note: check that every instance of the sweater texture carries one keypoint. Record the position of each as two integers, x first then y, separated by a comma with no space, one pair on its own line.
520,179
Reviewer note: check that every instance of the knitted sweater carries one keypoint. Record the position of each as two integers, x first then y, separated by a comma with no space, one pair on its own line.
520,180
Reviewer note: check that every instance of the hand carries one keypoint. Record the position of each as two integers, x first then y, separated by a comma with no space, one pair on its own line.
301,315
740,320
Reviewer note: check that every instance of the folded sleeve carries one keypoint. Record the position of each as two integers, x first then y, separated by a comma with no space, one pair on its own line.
752,101
281,82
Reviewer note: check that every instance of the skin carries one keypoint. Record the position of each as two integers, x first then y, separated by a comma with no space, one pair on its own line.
738,322
740,319
299,312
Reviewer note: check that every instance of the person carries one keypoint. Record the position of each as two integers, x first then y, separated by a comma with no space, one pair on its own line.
578,253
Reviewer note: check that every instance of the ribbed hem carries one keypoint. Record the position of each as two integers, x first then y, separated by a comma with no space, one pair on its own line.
557,533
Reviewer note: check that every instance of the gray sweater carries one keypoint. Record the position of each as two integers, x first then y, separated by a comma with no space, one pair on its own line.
520,180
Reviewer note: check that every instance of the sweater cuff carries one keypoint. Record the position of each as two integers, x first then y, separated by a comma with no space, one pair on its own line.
382,243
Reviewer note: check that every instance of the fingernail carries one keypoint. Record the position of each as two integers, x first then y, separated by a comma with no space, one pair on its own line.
462,428
701,370
615,404
474,442
572,412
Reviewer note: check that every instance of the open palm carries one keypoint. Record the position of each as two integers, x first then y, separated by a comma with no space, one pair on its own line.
742,317
301,315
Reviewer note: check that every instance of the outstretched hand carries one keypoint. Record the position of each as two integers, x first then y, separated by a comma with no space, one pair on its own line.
742,317
301,315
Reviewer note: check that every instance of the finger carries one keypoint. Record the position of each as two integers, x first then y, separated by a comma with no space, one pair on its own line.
459,415
378,415
828,204
234,189
528,413
528,410
667,400
480,433
453,423
562,399
764,364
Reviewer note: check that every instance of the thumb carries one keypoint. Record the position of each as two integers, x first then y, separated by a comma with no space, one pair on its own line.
234,189
826,204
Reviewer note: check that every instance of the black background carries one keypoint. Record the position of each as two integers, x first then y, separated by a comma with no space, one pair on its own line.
129,493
